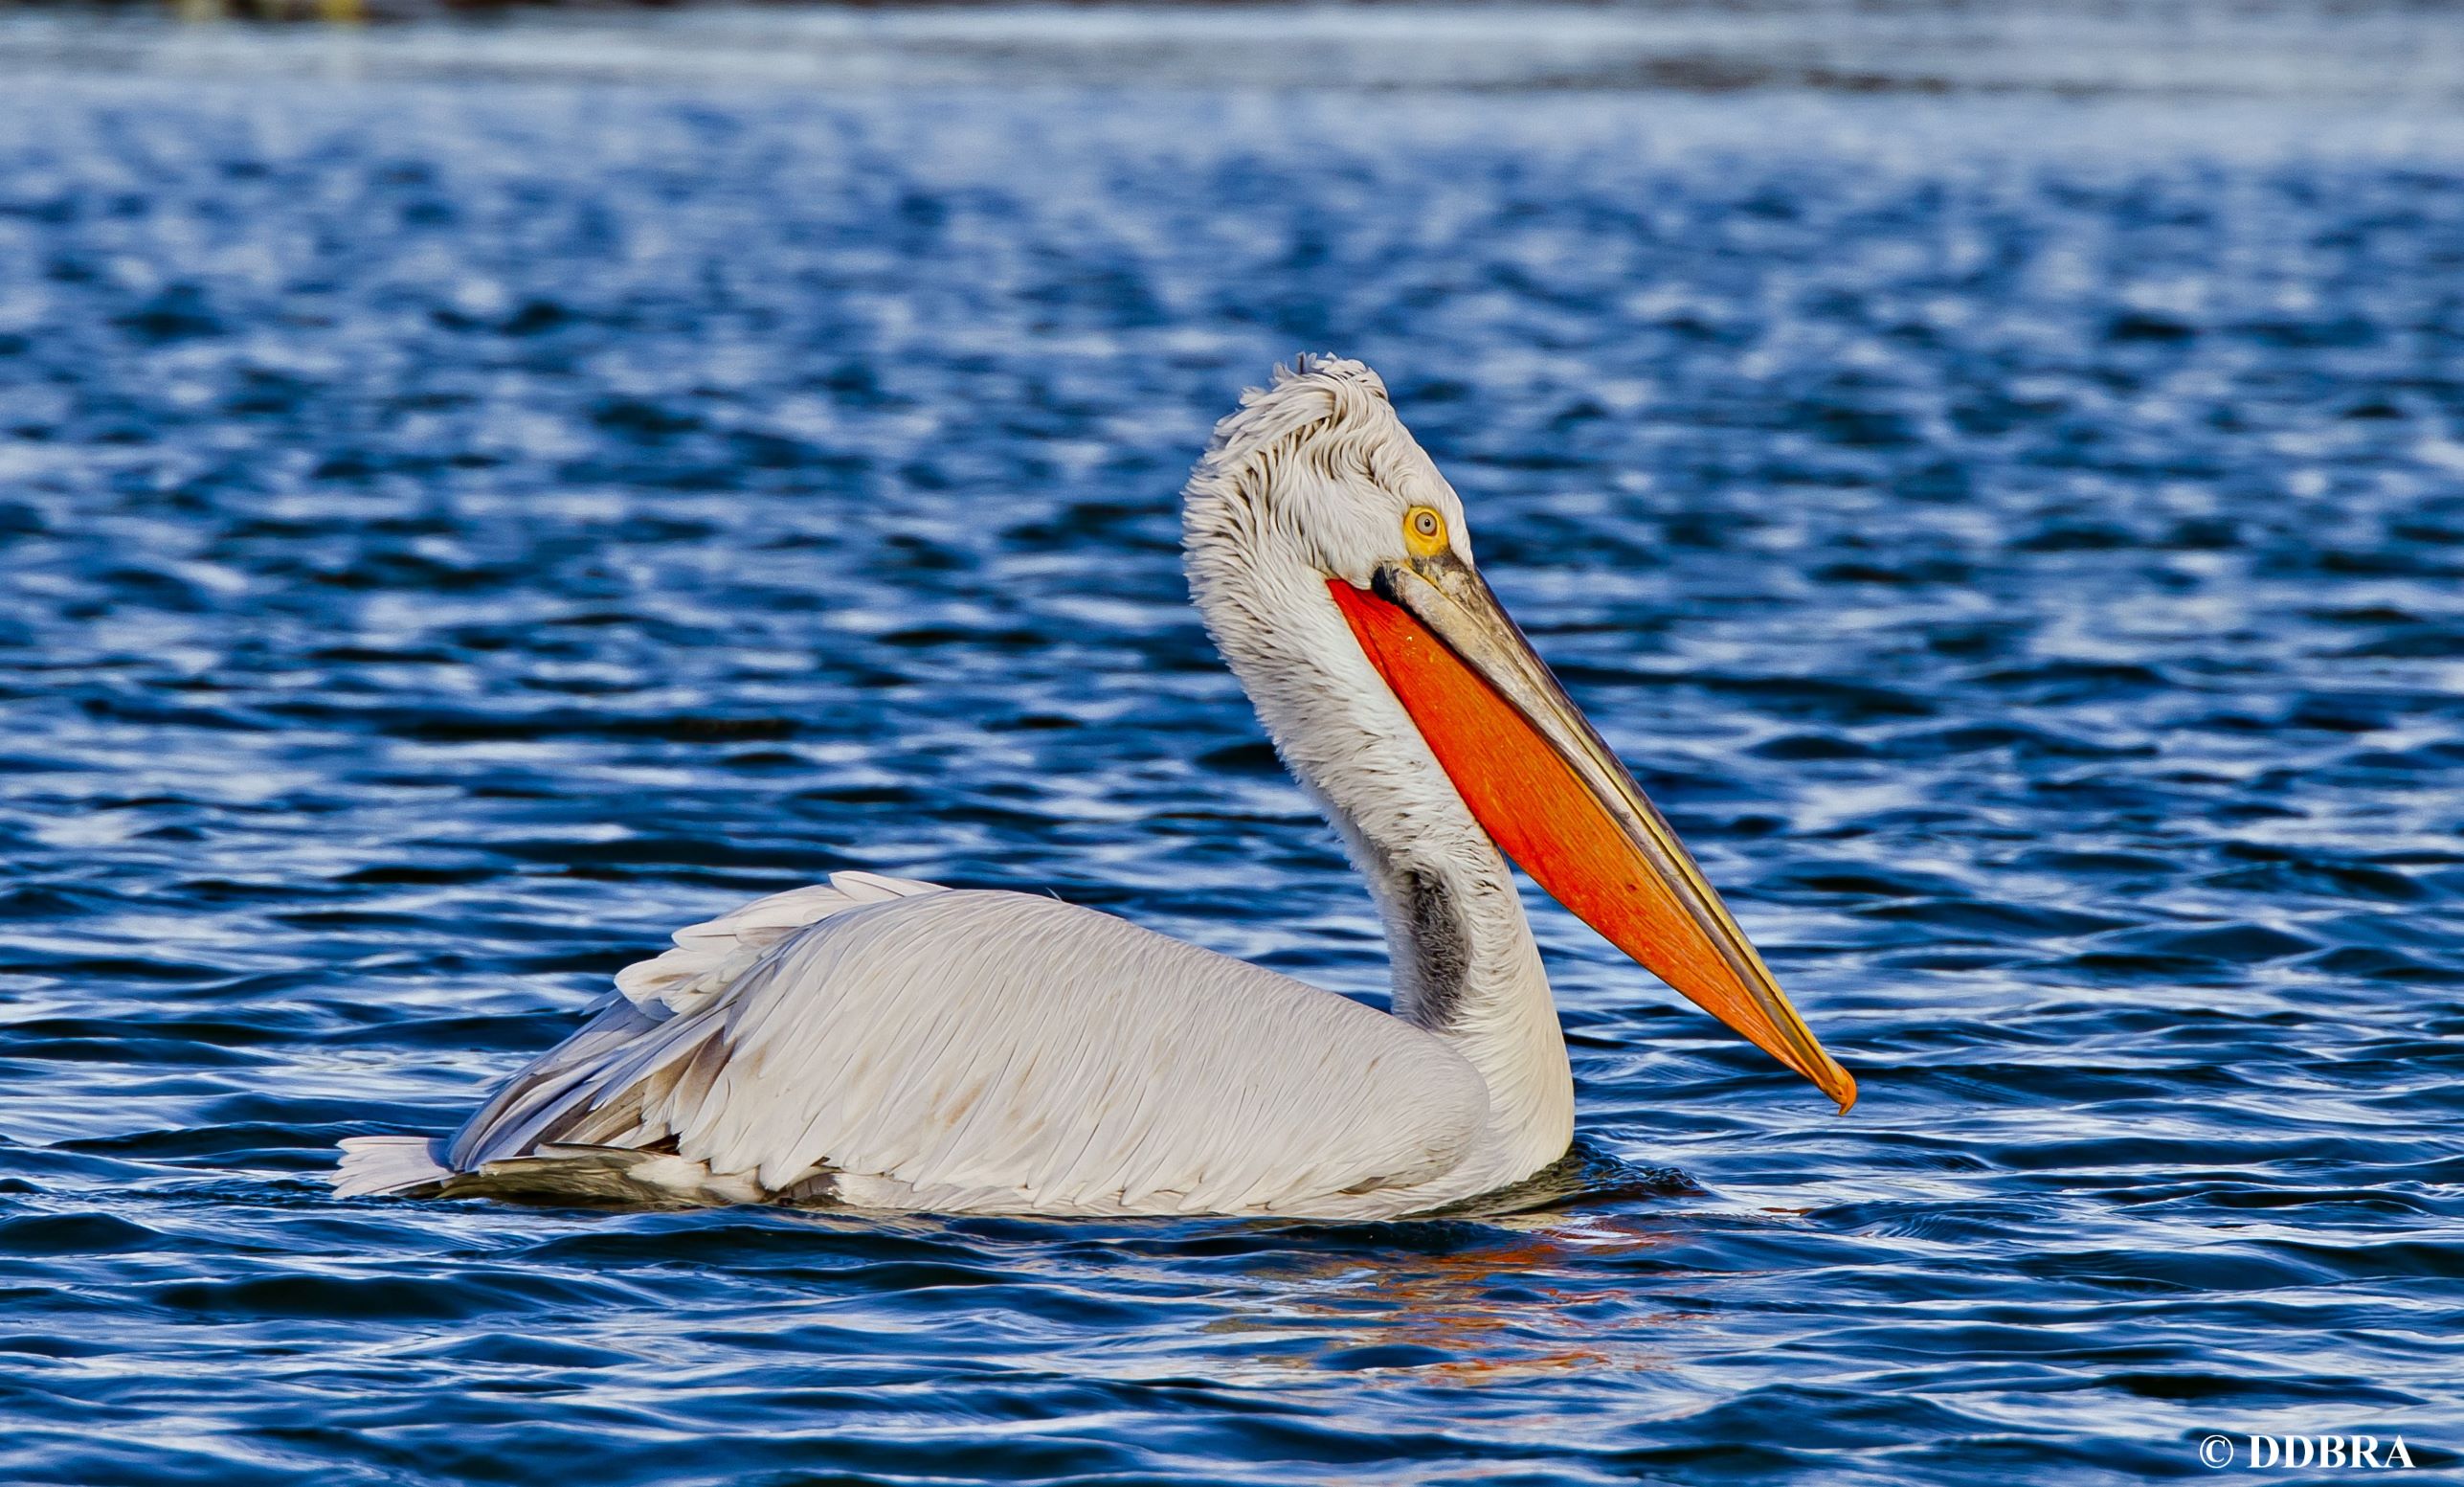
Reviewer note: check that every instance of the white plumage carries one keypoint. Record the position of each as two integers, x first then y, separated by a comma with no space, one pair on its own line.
933,1051
884,1043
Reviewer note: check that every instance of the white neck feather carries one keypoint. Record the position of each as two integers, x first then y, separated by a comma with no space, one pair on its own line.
1465,967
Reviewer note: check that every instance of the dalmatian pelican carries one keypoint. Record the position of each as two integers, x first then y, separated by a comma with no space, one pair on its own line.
886,1043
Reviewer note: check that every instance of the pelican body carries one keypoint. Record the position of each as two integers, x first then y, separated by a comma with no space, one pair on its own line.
882,1043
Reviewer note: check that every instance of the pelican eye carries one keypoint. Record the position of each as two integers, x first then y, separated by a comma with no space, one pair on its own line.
1423,531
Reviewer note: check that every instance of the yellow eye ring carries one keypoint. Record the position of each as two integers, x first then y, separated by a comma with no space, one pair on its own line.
1423,531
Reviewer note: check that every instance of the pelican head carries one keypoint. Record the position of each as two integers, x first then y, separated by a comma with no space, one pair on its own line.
1333,567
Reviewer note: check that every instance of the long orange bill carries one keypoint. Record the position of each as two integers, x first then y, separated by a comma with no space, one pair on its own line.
1557,801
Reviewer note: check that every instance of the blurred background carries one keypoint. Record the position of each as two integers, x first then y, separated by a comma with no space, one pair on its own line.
2393,53
480,487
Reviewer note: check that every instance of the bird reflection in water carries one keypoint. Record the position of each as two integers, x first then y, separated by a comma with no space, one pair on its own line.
1508,1290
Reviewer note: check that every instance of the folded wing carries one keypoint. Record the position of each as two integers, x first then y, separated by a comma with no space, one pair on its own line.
884,1043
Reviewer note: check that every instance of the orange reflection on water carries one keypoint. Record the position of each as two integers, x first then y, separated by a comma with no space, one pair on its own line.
1496,1311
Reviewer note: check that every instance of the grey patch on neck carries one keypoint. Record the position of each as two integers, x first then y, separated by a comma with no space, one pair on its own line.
1438,947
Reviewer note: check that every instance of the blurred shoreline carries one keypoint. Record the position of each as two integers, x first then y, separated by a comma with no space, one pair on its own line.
2386,55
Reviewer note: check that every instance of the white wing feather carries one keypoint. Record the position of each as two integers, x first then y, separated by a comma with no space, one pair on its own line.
712,954
885,1043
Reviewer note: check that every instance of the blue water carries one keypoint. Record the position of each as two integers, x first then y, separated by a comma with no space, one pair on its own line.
454,534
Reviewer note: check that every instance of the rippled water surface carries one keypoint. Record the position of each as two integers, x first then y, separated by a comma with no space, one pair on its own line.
449,536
